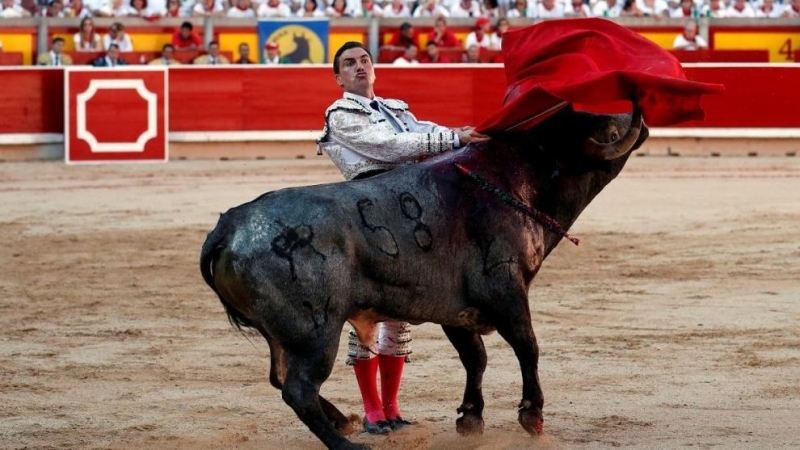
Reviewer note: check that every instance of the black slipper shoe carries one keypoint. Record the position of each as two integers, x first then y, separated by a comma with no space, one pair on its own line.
398,423
379,427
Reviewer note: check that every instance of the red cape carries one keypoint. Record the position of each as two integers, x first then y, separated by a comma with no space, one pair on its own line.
591,62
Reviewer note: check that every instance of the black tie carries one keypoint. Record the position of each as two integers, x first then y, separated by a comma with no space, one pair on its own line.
374,105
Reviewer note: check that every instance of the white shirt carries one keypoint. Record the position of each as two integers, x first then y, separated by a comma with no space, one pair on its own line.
56,59
544,13
389,11
241,13
659,8
472,10
282,10
776,12
490,41
124,44
681,43
601,9
438,10
402,61
13,12
746,12
81,45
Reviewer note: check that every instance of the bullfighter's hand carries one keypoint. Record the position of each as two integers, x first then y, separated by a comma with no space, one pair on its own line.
468,135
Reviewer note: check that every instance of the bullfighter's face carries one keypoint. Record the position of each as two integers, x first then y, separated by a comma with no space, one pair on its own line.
356,73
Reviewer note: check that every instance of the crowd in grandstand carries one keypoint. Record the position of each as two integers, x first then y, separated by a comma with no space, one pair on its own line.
492,9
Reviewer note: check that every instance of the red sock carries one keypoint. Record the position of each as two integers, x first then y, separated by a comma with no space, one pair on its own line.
366,375
391,375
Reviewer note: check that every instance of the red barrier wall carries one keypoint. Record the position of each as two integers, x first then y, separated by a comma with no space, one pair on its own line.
292,98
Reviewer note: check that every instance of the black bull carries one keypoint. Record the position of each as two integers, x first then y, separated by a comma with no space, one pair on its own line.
422,243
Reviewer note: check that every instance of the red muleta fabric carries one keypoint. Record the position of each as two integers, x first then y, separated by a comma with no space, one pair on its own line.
591,63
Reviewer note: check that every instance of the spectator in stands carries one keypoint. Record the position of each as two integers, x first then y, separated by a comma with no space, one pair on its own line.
86,39
213,57
274,55
186,39
442,36
242,9
768,9
310,9
607,8
715,9
117,36
430,8
110,59
208,8
55,8
653,8
114,8
167,57
337,9
466,8
740,9
792,10
244,54
482,36
408,58
56,56
549,9
370,9
490,8
520,9
577,8
274,8
689,39
432,55
405,36
472,55
11,10
76,8
631,9
685,10
173,9
502,26
138,8
398,8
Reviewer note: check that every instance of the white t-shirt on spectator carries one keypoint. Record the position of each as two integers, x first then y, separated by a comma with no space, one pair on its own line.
601,7
746,12
681,43
490,41
241,13
402,61
388,11
124,44
438,10
556,12
659,8
282,10
457,10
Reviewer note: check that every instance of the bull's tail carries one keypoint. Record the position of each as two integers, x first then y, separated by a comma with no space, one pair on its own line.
215,243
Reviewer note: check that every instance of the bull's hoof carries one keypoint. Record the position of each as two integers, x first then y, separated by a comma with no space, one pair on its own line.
530,417
469,424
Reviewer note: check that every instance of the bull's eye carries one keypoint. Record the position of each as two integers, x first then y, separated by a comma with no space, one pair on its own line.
614,136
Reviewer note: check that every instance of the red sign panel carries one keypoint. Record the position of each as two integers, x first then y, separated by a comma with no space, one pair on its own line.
115,115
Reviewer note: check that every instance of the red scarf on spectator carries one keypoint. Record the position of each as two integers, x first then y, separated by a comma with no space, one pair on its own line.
591,63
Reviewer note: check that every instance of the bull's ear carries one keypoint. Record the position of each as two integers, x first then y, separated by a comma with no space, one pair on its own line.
610,137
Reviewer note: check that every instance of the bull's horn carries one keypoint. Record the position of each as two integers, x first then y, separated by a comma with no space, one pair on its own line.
617,148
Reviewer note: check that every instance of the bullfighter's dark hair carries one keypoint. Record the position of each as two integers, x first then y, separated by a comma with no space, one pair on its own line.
344,48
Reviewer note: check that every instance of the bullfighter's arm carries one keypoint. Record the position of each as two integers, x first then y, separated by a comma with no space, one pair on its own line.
356,132
417,126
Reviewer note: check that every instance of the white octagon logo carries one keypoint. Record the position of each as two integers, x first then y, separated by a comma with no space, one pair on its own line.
117,147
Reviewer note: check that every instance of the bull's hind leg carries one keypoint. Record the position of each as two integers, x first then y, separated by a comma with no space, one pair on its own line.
307,368
469,346
513,320
277,375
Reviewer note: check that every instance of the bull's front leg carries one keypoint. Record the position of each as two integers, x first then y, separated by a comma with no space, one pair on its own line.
514,325
472,353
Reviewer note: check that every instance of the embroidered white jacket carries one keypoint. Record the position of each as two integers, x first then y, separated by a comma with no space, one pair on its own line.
360,139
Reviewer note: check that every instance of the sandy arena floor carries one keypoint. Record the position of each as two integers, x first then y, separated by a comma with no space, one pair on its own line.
676,324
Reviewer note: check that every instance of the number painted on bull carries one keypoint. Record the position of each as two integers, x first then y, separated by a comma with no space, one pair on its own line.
412,210
380,235
293,239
